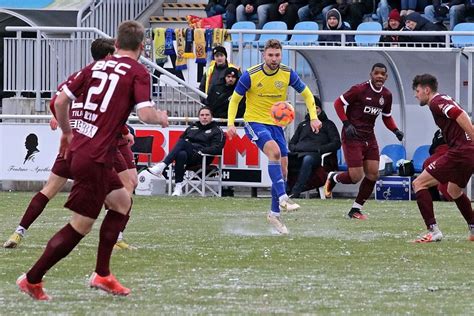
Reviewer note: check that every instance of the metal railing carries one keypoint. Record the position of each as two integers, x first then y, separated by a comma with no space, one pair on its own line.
106,15
38,65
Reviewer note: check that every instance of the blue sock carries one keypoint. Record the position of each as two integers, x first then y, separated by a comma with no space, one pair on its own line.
274,170
275,202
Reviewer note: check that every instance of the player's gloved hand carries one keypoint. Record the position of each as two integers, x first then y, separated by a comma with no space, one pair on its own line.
351,131
399,134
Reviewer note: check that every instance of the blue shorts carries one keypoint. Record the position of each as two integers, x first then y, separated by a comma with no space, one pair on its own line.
260,134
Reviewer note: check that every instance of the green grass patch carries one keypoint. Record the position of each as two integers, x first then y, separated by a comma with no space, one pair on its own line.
219,256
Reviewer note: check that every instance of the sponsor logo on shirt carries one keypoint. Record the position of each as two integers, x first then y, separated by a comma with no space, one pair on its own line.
372,110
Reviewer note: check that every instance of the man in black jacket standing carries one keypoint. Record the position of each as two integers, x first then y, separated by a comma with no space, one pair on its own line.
306,147
203,137
219,94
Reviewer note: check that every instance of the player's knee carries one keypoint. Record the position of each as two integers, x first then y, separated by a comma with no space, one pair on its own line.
417,185
454,191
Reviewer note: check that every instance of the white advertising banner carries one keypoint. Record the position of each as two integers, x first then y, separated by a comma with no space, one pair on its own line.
29,150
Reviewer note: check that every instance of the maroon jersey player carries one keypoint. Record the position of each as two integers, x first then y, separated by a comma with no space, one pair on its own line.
455,167
111,89
364,103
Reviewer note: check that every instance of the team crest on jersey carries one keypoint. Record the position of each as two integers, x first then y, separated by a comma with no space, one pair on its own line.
381,100
279,84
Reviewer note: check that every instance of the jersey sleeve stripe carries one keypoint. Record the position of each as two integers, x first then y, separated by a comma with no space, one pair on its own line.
343,100
69,94
387,114
446,109
144,105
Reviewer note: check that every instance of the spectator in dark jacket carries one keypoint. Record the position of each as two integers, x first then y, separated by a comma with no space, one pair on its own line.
219,94
286,11
441,9
334,23
306,147
227,7
353,11
394,24
314,8
415,22
203,137
254,10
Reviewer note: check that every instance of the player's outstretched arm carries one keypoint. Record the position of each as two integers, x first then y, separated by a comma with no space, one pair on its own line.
232,113
391,125
465,122
62,115
311,106
150,115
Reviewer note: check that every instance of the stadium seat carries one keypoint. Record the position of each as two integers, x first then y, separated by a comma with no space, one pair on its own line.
273,25
243,25
368,40
341,164
463,40
304,39
419,156
202,178
143,146
395,152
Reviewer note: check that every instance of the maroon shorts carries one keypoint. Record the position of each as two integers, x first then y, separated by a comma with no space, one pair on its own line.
92,182
456,166
61,168
355,152
127,154
120,164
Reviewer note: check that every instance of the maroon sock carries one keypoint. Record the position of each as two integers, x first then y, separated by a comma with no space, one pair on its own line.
36,207
109,231
58,247
425,204
365,190
127,217
464,205
344,178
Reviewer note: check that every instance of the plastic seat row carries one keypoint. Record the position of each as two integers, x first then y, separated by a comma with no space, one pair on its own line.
395,152
305,39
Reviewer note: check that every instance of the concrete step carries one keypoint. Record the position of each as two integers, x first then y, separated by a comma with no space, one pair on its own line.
168,22
184,9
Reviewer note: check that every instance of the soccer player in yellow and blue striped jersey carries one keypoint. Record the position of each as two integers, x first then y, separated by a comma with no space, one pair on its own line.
264,85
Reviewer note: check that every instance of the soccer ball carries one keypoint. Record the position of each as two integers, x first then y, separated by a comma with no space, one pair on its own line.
282,113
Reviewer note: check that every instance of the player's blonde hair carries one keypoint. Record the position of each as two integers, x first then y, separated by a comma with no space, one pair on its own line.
272,43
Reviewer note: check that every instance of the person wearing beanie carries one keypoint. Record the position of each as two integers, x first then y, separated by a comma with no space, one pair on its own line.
215,72
334,22
220,93
306,149
394,24
415,22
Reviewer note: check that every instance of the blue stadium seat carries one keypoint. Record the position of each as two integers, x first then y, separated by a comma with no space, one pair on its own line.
341,164
273,25
395,152
304,39
243,25
368,40
419,156
463,40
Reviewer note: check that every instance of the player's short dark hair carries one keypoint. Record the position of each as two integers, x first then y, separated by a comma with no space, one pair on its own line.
130,35
102,47
425,80
272,43
205,108
378,65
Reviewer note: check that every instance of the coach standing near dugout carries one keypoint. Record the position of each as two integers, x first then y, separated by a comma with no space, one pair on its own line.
264,85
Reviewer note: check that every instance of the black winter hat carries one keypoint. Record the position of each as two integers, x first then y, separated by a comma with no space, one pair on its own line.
231,71
219,49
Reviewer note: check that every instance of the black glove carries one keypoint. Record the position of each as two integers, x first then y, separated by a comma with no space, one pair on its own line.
399,134
351,131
